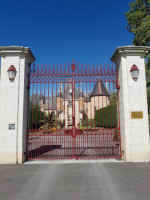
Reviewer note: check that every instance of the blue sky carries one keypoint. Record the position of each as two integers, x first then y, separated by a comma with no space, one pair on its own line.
59,30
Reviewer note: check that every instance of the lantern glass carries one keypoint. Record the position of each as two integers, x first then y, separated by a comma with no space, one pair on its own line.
11,75
135,74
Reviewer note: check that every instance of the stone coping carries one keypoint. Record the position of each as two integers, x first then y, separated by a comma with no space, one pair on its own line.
17,49
132,49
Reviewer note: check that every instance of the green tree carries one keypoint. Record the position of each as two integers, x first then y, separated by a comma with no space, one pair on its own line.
148,98
138,19
107,117
35,116
113,98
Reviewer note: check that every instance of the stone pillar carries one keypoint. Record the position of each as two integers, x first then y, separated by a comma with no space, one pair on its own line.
133,98
14,104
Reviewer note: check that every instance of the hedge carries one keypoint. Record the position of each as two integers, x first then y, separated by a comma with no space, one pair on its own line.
106,117
36,115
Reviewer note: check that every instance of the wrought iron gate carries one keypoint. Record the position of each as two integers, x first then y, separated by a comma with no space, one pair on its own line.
73,112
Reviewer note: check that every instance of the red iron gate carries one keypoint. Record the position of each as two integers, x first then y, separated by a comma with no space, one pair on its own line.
73,112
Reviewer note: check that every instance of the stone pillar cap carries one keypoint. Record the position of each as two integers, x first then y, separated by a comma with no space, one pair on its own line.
132,49
17,49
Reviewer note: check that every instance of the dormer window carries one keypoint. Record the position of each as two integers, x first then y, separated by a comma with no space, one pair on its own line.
70,103
70,95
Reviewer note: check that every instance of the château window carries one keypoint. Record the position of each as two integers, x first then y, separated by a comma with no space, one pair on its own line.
70,103
70,95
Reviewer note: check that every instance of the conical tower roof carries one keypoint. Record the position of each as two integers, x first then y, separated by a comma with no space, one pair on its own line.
99,90
67,88
81,94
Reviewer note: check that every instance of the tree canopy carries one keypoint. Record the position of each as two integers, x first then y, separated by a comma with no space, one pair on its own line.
138,19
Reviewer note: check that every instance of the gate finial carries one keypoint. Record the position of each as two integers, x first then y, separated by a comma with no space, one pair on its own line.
73,66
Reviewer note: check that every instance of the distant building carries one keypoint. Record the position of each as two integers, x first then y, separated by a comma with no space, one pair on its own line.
64,103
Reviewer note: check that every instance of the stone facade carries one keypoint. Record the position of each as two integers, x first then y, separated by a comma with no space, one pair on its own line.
98,98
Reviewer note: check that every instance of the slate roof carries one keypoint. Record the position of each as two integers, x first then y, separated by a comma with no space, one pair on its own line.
60,94
66,91
87,98
81,95
99,90
34,98
49,106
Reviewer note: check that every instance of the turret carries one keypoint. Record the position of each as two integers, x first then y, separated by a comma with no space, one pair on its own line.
59,102
81,102
42,102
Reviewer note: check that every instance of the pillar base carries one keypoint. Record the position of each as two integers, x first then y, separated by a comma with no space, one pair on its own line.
8,159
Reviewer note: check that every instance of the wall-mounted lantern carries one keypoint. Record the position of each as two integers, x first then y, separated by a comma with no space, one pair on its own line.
11,72
134,72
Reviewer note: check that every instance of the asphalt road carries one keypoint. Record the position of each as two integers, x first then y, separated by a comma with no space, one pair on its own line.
93,181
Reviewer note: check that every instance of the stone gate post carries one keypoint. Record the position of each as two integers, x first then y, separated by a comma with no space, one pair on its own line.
133,103
14,104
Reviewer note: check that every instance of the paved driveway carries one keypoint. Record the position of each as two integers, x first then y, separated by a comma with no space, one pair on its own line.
90,144
88,181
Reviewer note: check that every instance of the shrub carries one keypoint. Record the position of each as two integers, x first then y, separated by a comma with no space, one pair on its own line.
46,132
60,124
107,117
87,123
45,127
35,115
91,123
116,136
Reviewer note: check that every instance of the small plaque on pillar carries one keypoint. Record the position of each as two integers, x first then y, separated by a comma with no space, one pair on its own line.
11,126
136,115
